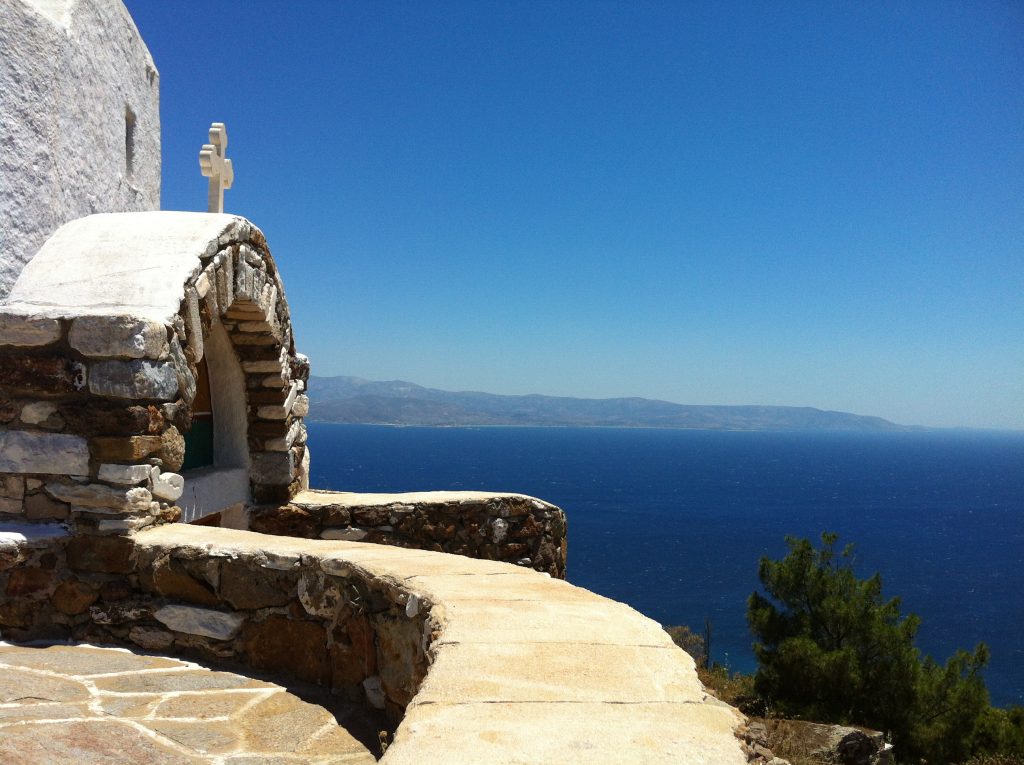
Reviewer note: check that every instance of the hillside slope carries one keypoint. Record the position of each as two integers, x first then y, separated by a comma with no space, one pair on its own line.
354,400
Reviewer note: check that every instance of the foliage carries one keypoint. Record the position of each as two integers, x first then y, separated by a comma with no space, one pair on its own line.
833,649
733,688
691,642
830,648
999,736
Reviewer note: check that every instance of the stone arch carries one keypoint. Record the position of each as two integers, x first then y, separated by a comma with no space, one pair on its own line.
104,330
235,316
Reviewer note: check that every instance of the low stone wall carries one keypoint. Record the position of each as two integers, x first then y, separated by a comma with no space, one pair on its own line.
484,662
513,528
315,619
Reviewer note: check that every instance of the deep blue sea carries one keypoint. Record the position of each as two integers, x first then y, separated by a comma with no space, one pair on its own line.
673,522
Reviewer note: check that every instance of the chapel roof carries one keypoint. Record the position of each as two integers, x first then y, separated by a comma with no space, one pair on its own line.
121,263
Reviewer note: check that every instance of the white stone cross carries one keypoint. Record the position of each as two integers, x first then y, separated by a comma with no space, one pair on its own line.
216,167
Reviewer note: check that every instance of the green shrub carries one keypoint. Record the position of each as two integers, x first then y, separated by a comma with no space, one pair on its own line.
831,648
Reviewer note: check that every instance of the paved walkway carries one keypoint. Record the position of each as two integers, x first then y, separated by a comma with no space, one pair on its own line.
79,705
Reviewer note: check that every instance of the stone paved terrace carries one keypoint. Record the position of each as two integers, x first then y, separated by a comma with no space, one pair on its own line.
79,705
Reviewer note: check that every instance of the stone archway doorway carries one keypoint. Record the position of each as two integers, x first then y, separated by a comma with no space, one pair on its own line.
216,468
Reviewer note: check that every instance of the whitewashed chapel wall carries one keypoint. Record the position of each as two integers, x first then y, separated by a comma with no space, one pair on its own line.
79,119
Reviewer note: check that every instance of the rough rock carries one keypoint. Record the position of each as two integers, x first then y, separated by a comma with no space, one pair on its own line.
301,406
289,521
101,417
131,449
25,331
837,744
245,588
296,647
73,597
25,581
400,658
199,621
118,336
41,507
170,579
102,554
30,452
151,638
130,475
354,659
33,375
167,486
12,486
172,449
136,379
37,412
98,495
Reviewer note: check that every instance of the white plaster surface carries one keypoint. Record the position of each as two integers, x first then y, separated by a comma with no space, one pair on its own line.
211,490
357,499
235,517
71,71
119,263
227,390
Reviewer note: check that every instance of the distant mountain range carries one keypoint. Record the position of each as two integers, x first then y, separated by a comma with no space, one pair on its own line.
354,400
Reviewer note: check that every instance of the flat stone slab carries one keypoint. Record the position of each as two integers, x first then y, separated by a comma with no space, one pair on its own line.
355,499
585,733
87,704
478,673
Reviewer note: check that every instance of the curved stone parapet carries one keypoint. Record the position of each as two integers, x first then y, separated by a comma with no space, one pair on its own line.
476,661
508,527
490,663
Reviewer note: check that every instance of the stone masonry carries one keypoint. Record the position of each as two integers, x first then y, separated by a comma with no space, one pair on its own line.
478,662
94,400
509,527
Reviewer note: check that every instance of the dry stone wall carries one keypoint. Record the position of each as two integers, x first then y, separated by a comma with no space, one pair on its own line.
485,663
94,401
513,528
309,618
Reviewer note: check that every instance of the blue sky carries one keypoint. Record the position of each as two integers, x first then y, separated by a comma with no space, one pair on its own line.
810,204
